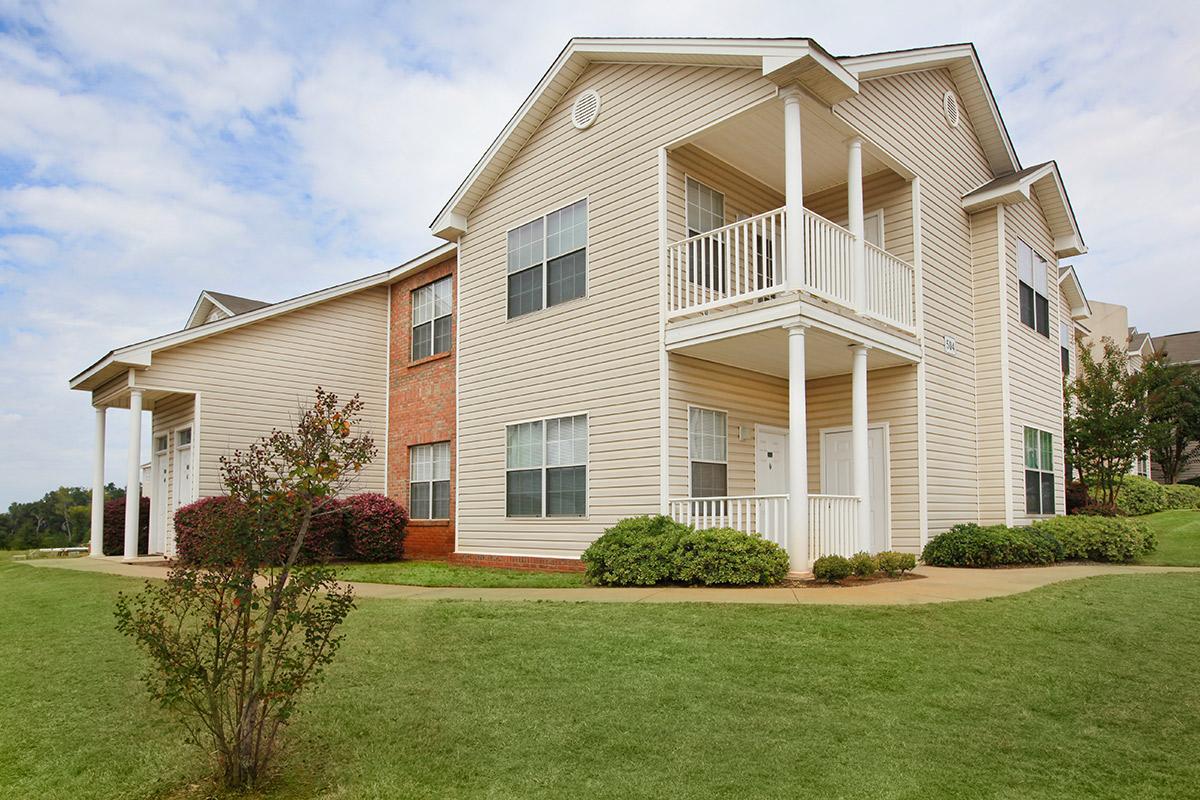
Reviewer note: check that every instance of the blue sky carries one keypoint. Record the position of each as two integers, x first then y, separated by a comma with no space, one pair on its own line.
148,151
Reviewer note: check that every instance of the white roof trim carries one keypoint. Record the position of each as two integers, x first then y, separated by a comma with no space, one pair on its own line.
196,317
1069,280
1068,241
139,354
1002,156
771,55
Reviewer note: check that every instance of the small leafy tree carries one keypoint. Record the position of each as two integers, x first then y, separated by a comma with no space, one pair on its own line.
1173,407
1105,420
235,640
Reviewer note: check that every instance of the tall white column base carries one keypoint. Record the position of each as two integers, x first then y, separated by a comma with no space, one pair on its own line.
798,544
97,538
859,445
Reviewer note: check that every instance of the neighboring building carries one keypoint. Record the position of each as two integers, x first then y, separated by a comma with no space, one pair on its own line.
1179,348
740,281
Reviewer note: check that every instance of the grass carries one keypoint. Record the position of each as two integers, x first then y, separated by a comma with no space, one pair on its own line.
440,573
1071,691
1178,538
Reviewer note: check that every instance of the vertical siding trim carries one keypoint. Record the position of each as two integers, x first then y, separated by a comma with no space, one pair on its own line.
1006,406
456,344
387,394
664,364
922,411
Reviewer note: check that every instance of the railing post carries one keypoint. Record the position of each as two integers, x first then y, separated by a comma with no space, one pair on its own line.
861,470
854,204
797,527
793,262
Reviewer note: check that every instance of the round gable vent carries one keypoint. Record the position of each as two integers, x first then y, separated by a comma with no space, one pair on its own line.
950,106
586,109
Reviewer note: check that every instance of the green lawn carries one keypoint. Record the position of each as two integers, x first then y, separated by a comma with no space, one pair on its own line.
1178,538
1078,690
439,573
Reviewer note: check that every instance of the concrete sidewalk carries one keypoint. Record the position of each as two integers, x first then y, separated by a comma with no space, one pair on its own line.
938,585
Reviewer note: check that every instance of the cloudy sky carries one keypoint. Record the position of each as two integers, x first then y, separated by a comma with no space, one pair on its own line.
149,150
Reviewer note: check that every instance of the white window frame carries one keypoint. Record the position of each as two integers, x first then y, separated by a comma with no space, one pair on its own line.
431,287
448,480
1036,260
544,467
691,457
545,262
687,181
1041,469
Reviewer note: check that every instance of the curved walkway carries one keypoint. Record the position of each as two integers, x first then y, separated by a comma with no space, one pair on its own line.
938,585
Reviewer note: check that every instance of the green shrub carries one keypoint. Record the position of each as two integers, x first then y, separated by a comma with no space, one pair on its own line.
1097,510
971,545
638,551
831,568
1099,538
726,557
895,564
1181,495
863,564
1140,496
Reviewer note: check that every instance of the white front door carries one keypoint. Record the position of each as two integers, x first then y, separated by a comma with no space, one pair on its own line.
184,486
158,494
837,475
770,460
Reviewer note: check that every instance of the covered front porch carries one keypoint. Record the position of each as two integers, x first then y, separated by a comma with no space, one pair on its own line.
799,433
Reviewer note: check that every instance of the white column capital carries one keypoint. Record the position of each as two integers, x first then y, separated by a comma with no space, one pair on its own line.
790,93
855,142
797,328
860,348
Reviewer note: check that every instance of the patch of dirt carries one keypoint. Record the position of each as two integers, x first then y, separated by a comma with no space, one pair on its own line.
811,583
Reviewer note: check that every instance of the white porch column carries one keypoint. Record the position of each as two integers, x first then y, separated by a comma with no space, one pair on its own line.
854,205
797,454
861,477
133,495
97,549
793,181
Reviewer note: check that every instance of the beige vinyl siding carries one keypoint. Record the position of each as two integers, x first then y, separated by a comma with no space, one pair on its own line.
170,416
991,354
744,196
751,398
254,378
1034,371
599,354
903,113
884,191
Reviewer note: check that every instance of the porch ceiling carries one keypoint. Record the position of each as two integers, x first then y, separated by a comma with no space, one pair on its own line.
766,351
752,141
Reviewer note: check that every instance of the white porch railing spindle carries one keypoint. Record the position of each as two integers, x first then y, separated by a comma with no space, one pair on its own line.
833,525
764,514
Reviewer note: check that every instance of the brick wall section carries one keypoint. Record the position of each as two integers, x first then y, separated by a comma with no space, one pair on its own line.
420,410
518,562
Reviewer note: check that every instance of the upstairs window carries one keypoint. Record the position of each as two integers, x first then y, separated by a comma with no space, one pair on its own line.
429,481
1039,472
706,257
1032,271
546,465
708,452
1064,343
432,305
547,260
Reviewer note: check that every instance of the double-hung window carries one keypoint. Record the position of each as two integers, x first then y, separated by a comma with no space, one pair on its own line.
431,316
1039,472
546,464
429,481
708,448
547,260
706,257
1064,343
1033,282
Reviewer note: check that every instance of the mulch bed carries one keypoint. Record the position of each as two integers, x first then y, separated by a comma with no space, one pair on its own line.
879,577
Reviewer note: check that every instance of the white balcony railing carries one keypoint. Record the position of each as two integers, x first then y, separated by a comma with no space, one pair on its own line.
832,525
746,260
764,514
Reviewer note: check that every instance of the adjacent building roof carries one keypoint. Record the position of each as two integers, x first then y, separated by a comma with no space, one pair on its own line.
1045,181
1180,348
139,354
226,305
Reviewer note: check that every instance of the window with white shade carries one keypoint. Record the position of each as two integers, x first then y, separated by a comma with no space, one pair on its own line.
429,481
708,452
1039,472
547,260
432,305
705,212
1033,283
546,464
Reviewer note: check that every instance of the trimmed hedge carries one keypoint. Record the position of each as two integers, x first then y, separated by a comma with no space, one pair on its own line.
971,545
895,564
208,531
644,551
1140,496
114,527
1182,496
1099,538
863,564
832,568
375,527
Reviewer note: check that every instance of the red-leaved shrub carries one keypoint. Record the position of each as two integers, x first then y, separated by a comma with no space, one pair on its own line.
206,531
327,535
114,527
376,525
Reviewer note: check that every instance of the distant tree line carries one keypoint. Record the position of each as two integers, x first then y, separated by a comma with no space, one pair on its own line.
62,518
